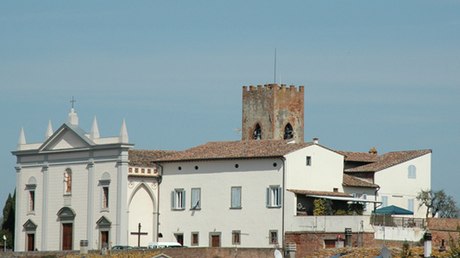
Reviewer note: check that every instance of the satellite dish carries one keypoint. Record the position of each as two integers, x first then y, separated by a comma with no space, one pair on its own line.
278,254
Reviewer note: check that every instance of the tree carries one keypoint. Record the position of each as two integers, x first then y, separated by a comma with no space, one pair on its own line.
7,223
438,202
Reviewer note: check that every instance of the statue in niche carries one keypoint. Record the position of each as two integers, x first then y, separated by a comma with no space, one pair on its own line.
67,181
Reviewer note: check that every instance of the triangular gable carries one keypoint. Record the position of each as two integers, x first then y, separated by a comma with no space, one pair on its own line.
103,222
29,226
66,137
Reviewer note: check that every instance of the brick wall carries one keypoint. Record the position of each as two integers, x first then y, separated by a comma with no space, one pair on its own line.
310,242
443,229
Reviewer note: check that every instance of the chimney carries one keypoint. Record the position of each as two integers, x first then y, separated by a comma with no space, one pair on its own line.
373,150
316,140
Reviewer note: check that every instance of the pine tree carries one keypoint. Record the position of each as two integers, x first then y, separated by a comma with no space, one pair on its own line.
7,223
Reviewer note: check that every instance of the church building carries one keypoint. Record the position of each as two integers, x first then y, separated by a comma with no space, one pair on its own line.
80,186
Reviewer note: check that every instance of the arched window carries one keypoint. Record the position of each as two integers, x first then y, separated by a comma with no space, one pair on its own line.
288,132
412,172
257,134
68,181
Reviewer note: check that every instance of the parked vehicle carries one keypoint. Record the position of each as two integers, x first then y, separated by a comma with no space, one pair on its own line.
157,245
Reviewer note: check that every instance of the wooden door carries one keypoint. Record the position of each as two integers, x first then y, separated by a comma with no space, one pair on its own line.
67,233
30,242
105,239
215,241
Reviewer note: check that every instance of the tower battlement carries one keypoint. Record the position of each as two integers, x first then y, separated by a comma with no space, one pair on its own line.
273,86
273,112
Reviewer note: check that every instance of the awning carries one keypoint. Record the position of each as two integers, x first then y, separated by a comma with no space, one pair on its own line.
393,210
340,198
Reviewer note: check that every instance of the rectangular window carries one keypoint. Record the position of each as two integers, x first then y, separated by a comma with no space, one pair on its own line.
179,238
308,160
410,204
384,201
178,199
196,199
195,239
273,237
274,196
236,197
105,197
31,201
236,237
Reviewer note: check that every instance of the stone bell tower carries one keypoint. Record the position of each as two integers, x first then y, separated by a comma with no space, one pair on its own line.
273,112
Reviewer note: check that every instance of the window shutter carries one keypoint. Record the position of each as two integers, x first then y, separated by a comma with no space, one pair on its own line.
268,197
183,200
172,200
279,193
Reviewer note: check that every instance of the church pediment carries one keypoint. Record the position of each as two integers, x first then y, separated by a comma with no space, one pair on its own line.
67,137
29,225
103,222
66,213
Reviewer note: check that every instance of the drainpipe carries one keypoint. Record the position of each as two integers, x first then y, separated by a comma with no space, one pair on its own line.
282,207
160,178
375,197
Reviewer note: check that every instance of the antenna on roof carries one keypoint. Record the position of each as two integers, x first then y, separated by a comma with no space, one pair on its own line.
274,69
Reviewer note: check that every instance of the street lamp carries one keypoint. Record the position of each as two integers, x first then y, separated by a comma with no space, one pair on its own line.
4,243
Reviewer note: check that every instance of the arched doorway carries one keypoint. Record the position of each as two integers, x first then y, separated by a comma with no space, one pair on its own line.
142,219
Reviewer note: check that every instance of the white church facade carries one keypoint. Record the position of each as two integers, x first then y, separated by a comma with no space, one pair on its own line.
80,186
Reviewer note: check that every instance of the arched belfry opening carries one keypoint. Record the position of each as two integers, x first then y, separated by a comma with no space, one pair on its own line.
288,132
271,107
257,134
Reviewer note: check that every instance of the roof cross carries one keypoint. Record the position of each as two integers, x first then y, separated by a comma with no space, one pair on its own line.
72,101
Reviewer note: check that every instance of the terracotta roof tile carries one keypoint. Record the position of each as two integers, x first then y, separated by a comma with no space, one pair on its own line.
359,156
356,182
143,158
235,149
388,160
325,193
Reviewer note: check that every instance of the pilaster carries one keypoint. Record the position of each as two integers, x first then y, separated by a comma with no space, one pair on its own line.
122,199
44,226
90,205
18,244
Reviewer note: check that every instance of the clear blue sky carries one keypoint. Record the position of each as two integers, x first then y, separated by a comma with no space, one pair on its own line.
383,74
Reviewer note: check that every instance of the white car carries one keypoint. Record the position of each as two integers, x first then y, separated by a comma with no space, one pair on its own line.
156,245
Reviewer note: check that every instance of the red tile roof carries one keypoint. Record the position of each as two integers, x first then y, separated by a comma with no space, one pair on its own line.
356,182
388,160
359,156
236,150
324,193
143,158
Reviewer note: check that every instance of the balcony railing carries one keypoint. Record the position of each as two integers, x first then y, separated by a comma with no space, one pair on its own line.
392,221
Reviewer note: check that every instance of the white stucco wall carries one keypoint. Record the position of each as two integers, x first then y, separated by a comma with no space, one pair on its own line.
398,188
88,168
142,203
324,174
215,178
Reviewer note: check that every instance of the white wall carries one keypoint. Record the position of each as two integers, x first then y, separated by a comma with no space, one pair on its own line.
55,198
395,184
142,201
330,224
215,178
398,233
324,174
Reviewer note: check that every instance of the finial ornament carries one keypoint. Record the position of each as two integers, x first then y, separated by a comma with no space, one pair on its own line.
123,133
